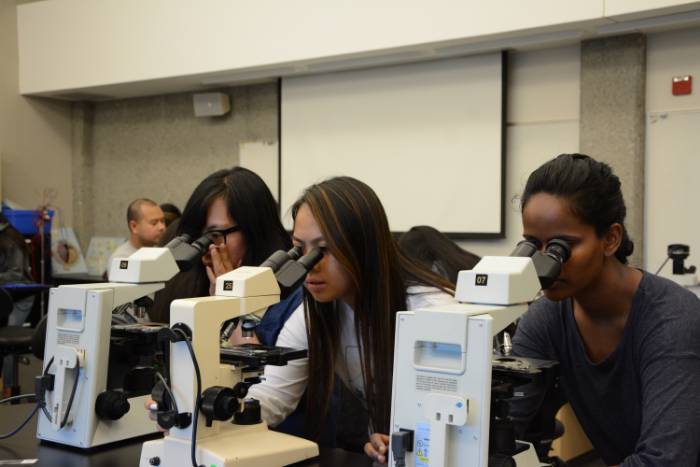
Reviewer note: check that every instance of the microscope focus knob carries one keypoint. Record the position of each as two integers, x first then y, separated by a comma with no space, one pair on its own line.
111,405
218,403
250,415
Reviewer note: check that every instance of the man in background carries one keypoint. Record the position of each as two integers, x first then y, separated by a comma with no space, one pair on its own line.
171,213
146,226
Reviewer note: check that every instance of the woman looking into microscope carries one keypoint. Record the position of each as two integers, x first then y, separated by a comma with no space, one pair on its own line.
348,317
627,341
236,210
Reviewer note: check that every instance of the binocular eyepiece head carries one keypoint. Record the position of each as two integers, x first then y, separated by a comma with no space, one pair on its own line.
547,263
558,249
187,252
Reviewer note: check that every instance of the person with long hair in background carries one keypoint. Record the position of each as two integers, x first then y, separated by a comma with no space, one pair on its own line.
437,251
627,341
348,317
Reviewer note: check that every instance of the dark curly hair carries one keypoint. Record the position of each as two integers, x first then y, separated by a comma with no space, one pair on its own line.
593,191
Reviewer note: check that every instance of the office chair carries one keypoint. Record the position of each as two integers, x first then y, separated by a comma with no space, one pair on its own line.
15,342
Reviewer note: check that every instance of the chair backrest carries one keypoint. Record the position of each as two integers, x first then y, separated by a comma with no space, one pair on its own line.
6,305
39,339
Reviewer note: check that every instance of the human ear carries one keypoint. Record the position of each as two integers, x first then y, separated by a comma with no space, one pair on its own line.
612,239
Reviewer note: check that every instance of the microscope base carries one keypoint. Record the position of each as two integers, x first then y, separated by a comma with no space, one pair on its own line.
235,445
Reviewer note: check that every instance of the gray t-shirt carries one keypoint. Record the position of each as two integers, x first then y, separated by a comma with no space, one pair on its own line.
640,406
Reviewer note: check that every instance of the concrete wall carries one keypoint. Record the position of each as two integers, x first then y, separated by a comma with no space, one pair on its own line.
155,147
35,134
671,189
669,54
613,85
543,121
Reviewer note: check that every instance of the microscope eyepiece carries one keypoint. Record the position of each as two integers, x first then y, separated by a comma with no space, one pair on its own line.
202,243
295,252
524,248
186,253
292,273
279,258
184,238
548,263
311,258
558,249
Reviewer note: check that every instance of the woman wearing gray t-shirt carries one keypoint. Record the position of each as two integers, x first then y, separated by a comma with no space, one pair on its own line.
628,342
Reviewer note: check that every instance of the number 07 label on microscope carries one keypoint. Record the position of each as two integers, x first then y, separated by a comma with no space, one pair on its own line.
422,447
481,280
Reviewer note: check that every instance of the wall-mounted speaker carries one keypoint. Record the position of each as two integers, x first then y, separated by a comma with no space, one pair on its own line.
211,104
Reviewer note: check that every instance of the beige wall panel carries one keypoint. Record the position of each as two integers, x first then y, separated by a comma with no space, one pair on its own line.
35,137
155,147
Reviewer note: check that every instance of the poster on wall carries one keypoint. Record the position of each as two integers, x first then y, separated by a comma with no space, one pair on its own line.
98,253
66,255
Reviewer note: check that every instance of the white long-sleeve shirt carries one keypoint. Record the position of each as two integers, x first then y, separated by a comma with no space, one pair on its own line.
284,386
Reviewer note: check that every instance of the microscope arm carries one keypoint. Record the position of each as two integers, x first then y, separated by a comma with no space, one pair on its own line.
68,362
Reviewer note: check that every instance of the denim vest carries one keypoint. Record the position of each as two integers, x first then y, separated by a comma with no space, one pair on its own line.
272,322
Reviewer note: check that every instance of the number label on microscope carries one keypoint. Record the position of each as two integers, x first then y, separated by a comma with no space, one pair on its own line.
228,285
123,265
481,280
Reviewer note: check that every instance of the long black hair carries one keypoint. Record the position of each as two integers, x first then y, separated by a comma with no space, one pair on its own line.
356,229
250,203
435,250
592,189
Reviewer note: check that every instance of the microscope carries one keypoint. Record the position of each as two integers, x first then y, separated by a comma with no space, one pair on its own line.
682,275
202,400
96,376
450,392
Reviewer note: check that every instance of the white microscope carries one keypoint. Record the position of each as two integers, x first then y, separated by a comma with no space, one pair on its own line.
80,406
441,411
208,385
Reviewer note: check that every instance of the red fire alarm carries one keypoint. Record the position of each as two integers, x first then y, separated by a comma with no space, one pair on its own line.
682,85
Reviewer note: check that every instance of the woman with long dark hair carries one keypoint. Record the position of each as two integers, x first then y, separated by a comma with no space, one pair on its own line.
627,341
348,317
237,210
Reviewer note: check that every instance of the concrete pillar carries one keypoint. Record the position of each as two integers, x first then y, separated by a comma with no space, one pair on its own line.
612,124
82,161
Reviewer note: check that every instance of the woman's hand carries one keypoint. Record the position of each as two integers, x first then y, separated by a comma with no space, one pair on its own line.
149,405
377,447
219,263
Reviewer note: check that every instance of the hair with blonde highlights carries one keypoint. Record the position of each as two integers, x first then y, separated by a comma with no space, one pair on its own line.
355,227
